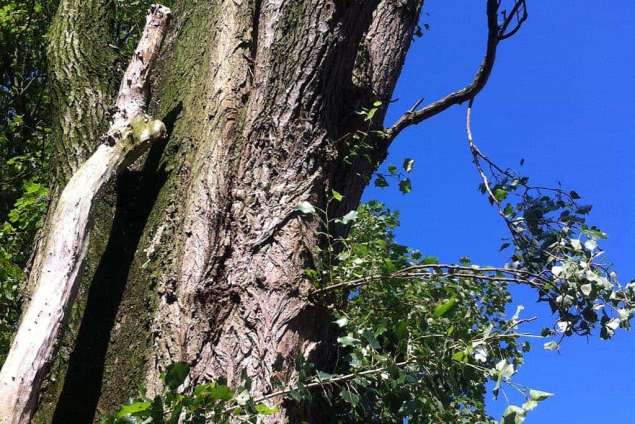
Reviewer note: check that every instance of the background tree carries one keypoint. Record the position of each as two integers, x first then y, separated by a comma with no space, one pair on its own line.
200,252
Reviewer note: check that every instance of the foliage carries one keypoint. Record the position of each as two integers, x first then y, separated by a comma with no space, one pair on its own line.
207,402
553,241
25,145
419,346
420,339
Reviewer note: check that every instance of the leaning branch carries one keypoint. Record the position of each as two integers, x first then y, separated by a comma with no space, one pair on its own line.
495,33
56,280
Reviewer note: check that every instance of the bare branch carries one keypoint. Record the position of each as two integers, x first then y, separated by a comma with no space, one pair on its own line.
519,11
495,33
56,280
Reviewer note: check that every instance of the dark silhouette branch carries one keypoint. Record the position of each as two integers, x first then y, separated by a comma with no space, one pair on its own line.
495,33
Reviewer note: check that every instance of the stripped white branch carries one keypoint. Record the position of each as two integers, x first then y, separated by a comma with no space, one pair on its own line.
56,280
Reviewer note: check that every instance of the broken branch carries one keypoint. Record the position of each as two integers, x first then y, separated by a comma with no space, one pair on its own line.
56,280
495,33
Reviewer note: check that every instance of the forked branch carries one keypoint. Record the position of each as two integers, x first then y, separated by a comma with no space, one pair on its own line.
496,32
56,279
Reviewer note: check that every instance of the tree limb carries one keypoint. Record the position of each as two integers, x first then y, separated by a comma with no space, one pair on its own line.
509,275
495,33
56,281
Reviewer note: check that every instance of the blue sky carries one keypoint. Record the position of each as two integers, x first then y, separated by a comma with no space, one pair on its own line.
562,96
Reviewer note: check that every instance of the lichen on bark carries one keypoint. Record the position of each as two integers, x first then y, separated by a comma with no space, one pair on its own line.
205,259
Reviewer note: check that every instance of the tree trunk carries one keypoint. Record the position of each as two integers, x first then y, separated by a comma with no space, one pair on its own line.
206,256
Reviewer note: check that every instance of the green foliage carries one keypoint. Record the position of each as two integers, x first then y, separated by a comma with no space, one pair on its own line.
420,339
202,403
394,173
553,240
25,145
435,340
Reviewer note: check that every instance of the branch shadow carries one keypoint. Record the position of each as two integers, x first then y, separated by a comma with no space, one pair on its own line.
136,195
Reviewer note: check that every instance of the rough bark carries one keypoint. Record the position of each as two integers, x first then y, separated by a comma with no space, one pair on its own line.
257,96
56,279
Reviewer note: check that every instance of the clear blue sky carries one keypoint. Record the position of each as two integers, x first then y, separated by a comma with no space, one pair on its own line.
562,96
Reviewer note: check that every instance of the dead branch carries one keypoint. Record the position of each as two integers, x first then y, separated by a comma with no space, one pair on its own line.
56,280
495,33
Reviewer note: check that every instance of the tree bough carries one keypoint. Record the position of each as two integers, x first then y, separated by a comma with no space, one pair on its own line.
56,278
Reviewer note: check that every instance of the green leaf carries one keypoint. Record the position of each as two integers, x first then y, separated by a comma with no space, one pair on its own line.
429,260
408,164
133,409
337,196
551,346
176,374
509,210
380,181
346,341
306,208
349,397
459,356
500,194
392,169
405,186
341,322
513,415
446,307
539,395
263,409
221,392
349,217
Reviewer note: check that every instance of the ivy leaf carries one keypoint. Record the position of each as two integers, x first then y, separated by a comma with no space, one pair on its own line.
459,356
513,415
583,210
175,374
349,217
551,346
305,207
539,395
347,341
221,392
500,194
341,322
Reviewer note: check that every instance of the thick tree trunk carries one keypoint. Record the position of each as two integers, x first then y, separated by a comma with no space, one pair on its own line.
258,97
